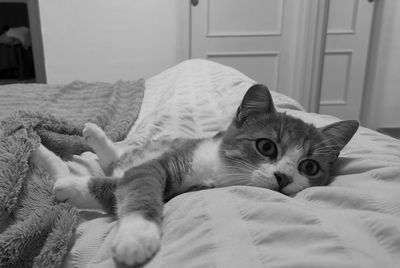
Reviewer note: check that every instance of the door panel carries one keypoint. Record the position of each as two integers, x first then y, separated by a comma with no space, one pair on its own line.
238,19
342,16
262,66
349,25
257,37
337,62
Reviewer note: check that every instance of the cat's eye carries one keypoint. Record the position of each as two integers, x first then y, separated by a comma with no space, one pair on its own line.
309,167
267,148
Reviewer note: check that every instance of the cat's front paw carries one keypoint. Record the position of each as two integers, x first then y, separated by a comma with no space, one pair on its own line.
136,240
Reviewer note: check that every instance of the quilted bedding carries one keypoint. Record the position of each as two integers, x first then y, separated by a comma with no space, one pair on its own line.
353,222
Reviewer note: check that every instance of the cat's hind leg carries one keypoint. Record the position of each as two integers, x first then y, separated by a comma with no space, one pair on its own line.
104,148
67,187
75,190
43,157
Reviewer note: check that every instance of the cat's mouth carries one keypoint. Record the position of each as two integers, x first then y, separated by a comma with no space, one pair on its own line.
283,185
291,189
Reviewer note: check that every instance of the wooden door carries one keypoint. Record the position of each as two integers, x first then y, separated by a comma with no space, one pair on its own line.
258,37
349,25
270,41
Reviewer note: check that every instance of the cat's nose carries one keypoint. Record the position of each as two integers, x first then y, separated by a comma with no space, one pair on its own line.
282,179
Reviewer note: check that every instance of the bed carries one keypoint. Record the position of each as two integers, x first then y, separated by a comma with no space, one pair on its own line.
353,222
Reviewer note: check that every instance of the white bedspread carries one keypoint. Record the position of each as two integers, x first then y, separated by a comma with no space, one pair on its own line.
354,222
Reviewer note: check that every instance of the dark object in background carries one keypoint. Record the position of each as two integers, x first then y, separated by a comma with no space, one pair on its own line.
16,62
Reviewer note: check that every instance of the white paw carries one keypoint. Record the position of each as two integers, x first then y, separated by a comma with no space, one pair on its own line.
75,191
104,148
67,188
93,134
136,240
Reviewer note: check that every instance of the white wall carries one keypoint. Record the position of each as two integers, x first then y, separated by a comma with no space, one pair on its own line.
382,99
103,40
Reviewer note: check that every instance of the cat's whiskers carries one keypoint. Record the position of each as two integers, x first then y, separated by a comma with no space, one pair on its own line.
243,164
236,174
242,160
230,179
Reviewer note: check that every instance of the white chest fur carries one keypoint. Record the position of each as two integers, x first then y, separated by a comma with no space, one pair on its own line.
207,165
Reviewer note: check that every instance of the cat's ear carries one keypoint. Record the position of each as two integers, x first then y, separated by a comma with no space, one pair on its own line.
256,100
340,133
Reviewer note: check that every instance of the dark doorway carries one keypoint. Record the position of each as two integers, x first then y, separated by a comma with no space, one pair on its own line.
16,56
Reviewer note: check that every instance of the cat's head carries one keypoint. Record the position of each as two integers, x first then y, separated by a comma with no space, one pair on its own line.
270,149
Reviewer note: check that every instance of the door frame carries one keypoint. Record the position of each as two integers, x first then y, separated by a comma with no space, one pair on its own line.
37,40
312,85
371,106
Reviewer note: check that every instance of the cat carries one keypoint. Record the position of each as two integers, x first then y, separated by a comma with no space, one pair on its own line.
261,147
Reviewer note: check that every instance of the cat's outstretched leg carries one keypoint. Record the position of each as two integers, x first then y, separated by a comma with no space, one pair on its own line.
67,187
53,164
139,197
104,148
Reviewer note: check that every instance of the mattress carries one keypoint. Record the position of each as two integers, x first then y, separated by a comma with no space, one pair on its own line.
353,222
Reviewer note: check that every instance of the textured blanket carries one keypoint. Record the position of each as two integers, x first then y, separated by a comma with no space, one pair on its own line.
35,230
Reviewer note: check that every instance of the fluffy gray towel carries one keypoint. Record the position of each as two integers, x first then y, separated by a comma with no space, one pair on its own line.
35,230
